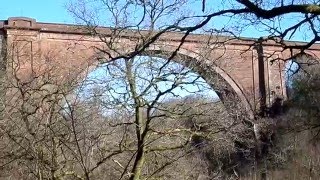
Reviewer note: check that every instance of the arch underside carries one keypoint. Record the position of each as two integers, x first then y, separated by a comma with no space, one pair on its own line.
300,65
233,99
305,60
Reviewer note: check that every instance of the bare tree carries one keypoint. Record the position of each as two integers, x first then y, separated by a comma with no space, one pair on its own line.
276,21
41,139
272,20
130,121
136,123
139,94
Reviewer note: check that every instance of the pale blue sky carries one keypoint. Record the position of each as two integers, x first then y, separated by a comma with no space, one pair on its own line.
42,10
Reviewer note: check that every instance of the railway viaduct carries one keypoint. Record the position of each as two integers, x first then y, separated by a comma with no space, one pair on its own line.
246,73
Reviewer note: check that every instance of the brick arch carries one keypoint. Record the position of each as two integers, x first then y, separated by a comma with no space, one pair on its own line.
245,66
305,59
227,89
306,62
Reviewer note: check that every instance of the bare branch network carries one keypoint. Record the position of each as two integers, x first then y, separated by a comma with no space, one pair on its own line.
148,111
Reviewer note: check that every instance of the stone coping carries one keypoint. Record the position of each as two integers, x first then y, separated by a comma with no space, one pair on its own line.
25,23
